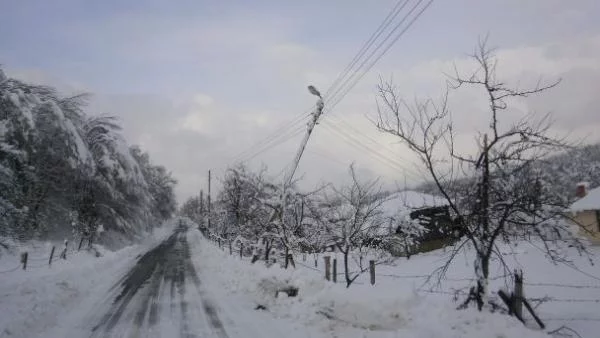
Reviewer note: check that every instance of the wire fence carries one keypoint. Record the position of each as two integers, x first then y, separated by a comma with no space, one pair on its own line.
536,302
572,286
456,293
38,262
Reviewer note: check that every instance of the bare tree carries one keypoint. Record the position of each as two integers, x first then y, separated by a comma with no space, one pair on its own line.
498,188
350,215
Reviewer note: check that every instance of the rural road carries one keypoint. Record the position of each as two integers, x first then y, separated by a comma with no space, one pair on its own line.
162,287
162,295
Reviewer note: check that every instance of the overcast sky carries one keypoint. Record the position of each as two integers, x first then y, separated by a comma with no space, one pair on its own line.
196,83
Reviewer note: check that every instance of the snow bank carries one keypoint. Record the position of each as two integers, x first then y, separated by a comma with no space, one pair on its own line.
42,300
362,310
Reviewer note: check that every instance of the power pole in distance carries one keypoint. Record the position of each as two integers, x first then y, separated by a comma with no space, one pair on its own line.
208,199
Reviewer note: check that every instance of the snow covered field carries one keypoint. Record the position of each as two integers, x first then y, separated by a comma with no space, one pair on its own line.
67,299
403,304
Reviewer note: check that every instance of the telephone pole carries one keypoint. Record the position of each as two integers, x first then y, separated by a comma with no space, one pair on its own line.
208,200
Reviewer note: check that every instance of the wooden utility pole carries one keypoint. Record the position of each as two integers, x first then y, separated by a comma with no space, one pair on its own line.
208,200
372,271
327,267
335,270
201,202
289,176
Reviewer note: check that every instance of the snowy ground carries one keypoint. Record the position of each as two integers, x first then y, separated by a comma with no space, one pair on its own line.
180,284
152,290
403,304
41,298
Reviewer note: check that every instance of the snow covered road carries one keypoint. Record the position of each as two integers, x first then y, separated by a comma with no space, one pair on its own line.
162,295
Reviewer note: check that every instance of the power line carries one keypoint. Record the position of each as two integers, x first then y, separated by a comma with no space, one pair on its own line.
392,164
350,140
364,135
385,50
353,140
384,24
280,130
272,140
279,141
325,154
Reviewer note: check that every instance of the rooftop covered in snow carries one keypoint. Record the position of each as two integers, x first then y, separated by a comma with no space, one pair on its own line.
410,200
590,202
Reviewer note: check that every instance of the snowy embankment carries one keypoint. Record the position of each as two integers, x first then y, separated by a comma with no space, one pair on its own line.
394,308
42,297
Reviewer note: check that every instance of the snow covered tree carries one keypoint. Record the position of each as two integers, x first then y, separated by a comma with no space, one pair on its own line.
244,205
508,193
194,209
60,167
160,185
350,215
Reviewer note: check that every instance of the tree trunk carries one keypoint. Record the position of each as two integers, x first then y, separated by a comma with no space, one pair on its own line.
287,257
346,271
484,235
267,250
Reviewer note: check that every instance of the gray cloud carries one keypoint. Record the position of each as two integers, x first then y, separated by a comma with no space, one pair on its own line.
196,92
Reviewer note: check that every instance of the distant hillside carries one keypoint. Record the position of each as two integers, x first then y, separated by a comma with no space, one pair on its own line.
578,165
564,170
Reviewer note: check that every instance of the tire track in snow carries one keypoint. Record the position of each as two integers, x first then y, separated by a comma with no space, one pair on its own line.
142,287
207,306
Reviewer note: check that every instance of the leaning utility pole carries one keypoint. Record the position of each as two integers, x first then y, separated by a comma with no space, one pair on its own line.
290,175
311,125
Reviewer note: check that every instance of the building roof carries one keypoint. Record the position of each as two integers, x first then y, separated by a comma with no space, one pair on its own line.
591,201
410,200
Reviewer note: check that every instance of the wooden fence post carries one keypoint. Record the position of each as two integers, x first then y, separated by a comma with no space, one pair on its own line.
291,260
327,267
518,293
230,249
241,250
372,271
304,256
63,254
219,239
51,255
335,270
24,256
316,255
80,243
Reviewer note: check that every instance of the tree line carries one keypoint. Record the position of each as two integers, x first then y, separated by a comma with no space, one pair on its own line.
64,171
